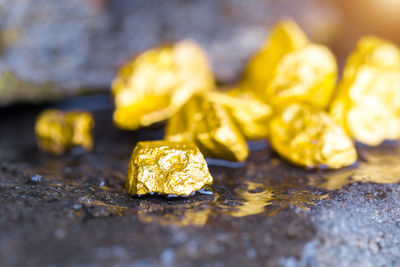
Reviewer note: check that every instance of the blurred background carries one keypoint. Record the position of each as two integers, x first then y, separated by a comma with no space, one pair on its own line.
53,49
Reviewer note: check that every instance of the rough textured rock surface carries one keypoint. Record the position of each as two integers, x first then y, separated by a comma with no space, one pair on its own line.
58,48
73,209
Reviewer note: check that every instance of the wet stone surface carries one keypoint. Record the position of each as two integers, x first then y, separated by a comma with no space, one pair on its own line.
74,209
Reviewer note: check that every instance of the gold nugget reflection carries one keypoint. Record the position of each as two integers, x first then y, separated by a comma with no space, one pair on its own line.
256,197
381,167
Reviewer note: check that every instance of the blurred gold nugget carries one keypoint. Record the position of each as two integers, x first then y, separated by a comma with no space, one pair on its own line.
209,125
307,136
288,68
250,114
284,38
153,86
367,104
57,131
167,168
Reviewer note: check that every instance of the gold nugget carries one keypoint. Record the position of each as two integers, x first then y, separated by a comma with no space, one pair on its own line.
367,104
307,136
290,69
209,125
57,131
284,38
250,114
167,168
153,86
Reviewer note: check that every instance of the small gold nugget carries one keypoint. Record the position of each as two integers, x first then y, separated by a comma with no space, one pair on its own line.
209,125
307,136
288,68
367,104
250,114
57,131
153,86
167,168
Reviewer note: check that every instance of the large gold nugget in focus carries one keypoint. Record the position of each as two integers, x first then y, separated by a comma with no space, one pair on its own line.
308,137
367,104
153,86
209,125
167,168
290,69
57,131
250,114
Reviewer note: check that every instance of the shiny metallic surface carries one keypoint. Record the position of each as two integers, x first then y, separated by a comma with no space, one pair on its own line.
166,168
306,75
288,68
284,38
154,85
367,103
307,136
250,114
57,131
209,125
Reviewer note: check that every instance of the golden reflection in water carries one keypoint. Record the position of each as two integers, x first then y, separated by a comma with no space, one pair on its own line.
377,167
256,197
187,214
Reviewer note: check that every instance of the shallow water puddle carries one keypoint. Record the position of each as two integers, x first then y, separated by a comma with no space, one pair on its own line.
377,165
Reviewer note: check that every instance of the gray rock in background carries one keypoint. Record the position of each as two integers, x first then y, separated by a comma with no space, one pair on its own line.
52,49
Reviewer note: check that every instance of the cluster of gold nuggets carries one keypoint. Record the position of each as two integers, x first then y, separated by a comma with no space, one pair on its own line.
287,94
